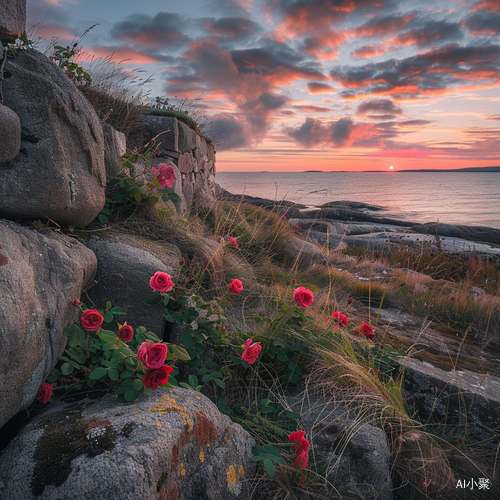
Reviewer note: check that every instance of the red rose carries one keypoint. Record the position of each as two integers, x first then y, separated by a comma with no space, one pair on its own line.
153,378
165,175
44,392
76,302
126,333
367,330
152,355
303,296
350,301
161,282
341,319
234,242
236,286
301,448
91,320
251,352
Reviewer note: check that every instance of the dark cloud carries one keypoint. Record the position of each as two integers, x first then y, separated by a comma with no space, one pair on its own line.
211,70
319,88
383,25
483,23
310,108
429,73
165,29
310,134
303,16
227,7
228,132
430,32
378,107
341,133
277,60
231,28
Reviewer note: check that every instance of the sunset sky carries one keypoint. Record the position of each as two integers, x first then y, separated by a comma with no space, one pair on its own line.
294,85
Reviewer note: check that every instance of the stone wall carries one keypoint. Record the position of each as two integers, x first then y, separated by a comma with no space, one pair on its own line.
190,153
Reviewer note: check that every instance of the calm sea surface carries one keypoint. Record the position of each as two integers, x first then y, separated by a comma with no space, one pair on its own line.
471,198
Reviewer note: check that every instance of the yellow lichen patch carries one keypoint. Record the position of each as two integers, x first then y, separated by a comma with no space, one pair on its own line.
202,457
136,411
241,470
166,404
158,424
183,470
232,480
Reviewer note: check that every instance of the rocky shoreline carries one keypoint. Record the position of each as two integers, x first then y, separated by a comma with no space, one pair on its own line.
341,224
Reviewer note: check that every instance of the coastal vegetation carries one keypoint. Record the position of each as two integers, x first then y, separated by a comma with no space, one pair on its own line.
308,351
276,328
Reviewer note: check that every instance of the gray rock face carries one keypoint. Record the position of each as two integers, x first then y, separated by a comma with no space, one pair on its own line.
125,266
12,19
301,253
40,274
454,397
173,444
60,171
356,456
10,134
115,145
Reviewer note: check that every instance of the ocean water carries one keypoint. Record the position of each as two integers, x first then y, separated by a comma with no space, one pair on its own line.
470,198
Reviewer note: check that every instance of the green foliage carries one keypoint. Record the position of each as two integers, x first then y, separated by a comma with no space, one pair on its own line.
269,455
386,360
102,361
128,191
64,57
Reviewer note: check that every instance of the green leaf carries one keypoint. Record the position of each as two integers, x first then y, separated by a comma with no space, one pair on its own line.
140,329
137,196
137,384
180,352
110,346
153,200
102,219
152,336
114,374
66,369
220,383
174,196
193,380
117,311
108,336
153,298
108,317
269,466
97,373
131,395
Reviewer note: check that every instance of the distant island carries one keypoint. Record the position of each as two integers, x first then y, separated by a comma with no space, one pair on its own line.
467,169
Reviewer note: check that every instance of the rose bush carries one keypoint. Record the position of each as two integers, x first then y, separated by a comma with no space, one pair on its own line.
91,320
161,282
301,448
252,351
165,175
303,297
44,393
155,377
236,286
126,333
152,355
